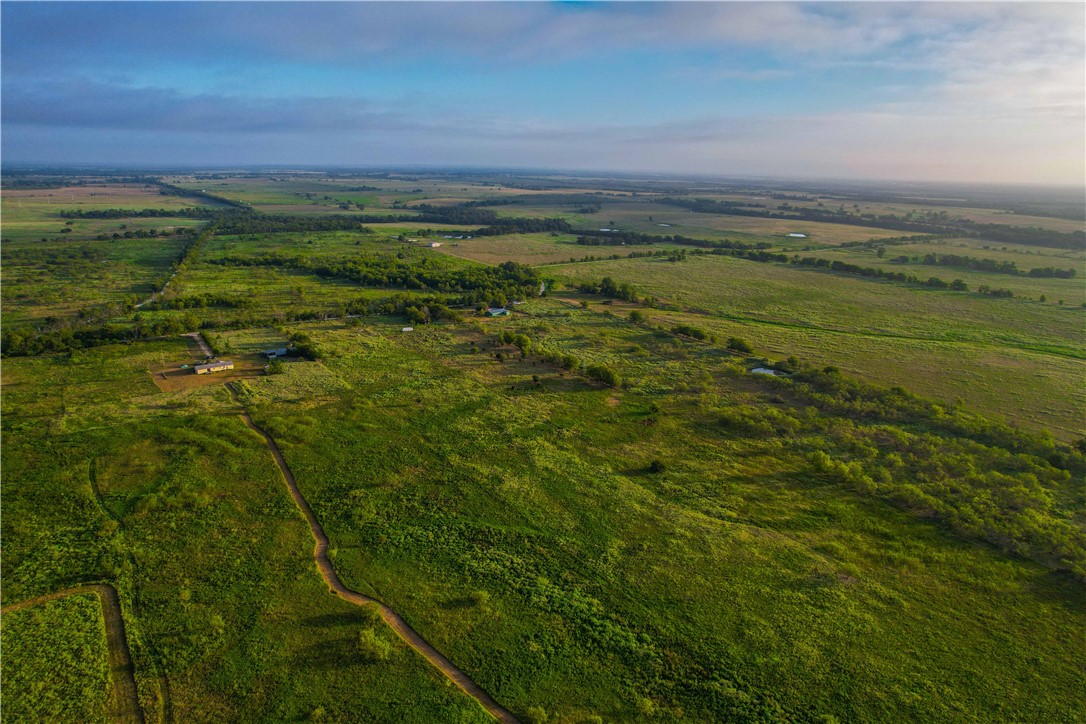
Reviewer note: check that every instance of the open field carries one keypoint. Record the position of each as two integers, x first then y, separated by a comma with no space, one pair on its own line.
725,286
647,217
59,280
65,637
173,497
592,508
1009,358
542,538
1027,288
535,249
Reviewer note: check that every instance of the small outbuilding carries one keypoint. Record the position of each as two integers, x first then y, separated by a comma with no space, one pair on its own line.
273,353
497,312
206,369
435,244
797,235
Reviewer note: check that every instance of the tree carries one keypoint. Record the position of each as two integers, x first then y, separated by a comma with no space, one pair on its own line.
737,344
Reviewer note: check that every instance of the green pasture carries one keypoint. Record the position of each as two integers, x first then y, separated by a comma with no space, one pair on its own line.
172,498
55,664
518,528
1027,288
810,298
59,279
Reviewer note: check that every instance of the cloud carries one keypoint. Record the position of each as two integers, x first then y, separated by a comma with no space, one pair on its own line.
80,103
988,90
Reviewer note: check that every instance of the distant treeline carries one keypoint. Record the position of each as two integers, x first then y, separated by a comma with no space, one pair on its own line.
630,238
192,212
939,224
170,190
476,283
985,265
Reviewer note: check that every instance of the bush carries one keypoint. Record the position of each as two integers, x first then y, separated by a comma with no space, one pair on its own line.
737,344
372,647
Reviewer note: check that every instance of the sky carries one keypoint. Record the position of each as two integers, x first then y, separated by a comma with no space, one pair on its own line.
991,92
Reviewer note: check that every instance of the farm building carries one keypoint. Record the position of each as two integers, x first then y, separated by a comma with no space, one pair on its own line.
435,244
273,353
213,367
497,312
797,235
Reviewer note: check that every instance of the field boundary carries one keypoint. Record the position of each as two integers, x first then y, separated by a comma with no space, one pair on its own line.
121,669
320,555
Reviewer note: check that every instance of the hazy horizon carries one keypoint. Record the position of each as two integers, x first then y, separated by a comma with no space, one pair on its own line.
937,93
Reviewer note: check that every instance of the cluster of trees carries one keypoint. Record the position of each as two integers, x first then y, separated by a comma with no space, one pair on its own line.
166,189
986,265
630,238
192,212
200,301
140,234
232,224
592,370
607,287
679,255
876,273
509,280
982,478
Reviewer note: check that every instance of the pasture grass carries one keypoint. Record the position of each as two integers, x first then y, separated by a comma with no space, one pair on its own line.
517,527
55,663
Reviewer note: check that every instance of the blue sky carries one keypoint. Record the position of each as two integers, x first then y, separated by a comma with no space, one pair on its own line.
946,91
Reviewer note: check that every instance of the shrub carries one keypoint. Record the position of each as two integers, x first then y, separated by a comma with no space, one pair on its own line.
737,344
372,647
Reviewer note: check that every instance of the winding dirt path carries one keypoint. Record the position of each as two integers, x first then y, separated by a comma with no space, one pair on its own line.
393,619
195,336
122,673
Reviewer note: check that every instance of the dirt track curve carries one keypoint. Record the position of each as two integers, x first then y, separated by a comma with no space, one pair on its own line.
393,619
122,673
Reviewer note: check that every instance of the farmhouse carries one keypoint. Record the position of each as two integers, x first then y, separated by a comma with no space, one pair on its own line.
497,312
210,367
435,244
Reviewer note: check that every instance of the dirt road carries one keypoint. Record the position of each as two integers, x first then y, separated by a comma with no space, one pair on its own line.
328,572
125,699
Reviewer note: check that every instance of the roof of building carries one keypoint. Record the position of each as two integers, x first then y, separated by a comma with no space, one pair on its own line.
217,365
497,311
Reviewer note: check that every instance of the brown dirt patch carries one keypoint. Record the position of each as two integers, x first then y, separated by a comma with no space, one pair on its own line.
172,377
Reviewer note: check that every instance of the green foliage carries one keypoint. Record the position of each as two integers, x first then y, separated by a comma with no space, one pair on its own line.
372,647
55,664
738,344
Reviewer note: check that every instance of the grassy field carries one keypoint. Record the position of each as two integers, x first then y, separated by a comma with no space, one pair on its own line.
60,279
595,517
1008,357
1029,288
171,496
519,528
54,665
647,217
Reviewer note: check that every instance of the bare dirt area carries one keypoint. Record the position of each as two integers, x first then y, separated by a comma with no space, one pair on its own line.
173,377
